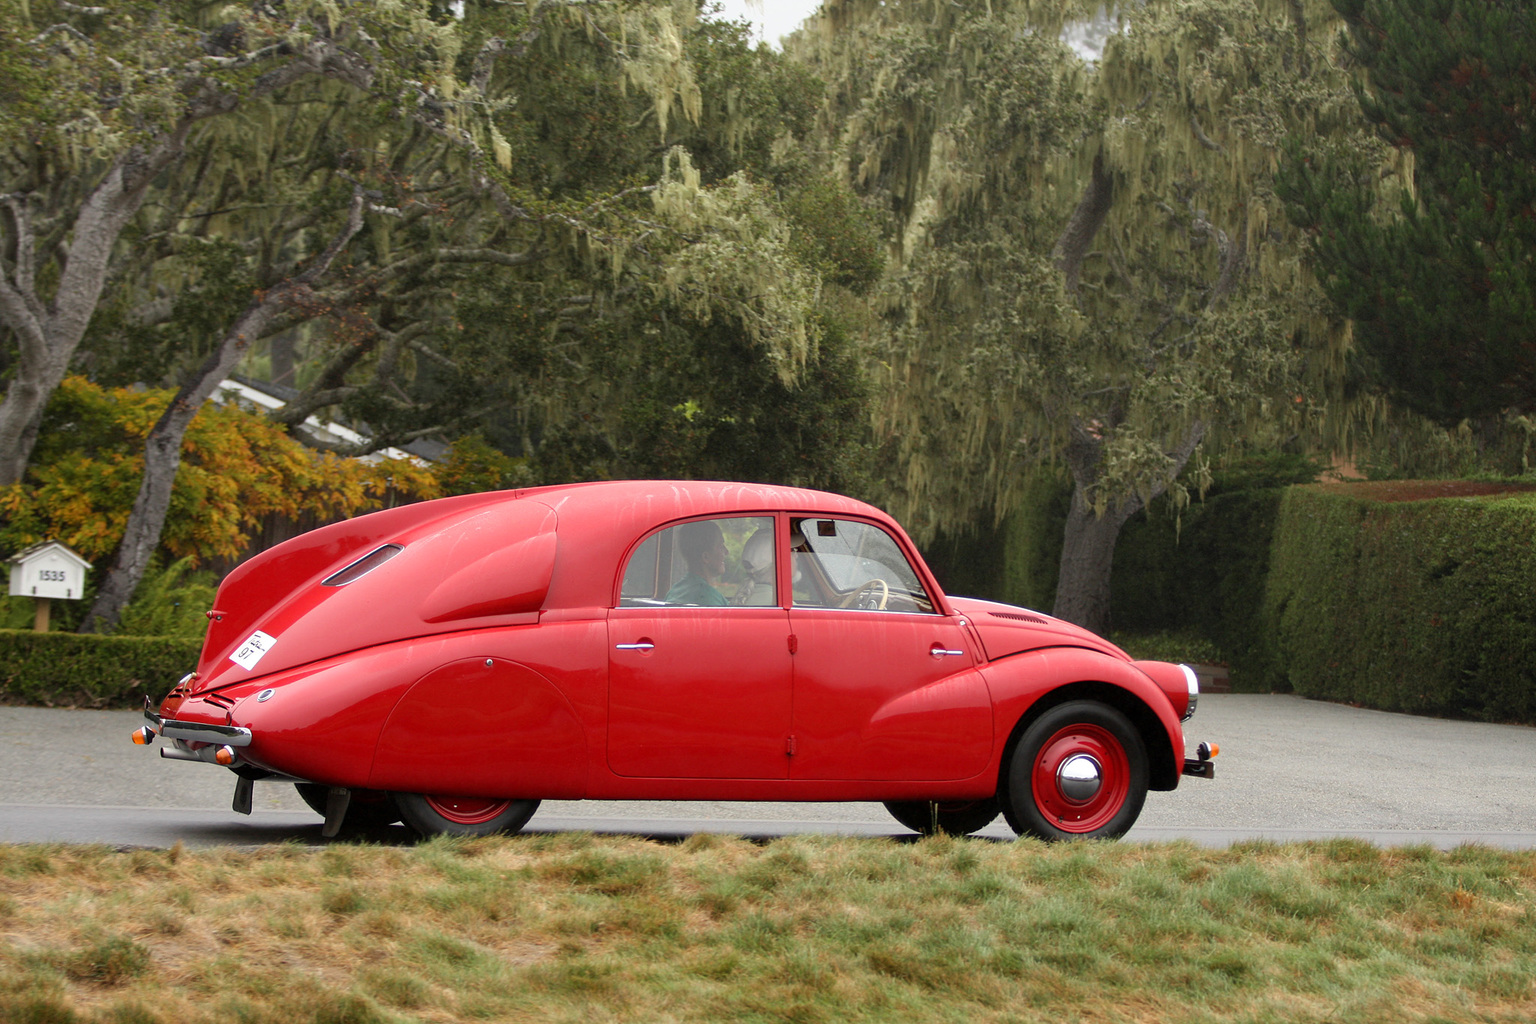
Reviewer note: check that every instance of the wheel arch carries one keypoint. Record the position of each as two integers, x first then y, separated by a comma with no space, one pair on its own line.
1161,764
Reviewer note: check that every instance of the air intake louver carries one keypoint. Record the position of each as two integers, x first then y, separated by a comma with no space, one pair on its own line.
1019,617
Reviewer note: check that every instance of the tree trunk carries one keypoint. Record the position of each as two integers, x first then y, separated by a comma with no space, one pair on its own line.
1088,543
162,450
48,333
1092,207
162,458
1087,558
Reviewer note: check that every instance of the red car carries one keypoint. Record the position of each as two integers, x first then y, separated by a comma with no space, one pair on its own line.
453,662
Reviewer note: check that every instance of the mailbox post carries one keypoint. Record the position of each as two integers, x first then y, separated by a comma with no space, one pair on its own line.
45,572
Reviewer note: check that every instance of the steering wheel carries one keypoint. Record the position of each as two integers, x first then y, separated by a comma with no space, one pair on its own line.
871,596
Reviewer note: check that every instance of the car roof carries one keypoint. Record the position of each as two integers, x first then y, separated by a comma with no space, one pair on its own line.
597,522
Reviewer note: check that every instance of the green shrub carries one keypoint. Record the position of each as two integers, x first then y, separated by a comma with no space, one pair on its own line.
170,601
77,670
1425,606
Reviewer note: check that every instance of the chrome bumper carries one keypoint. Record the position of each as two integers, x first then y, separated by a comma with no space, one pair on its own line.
196,732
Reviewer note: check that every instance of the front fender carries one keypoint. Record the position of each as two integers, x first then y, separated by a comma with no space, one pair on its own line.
1023,685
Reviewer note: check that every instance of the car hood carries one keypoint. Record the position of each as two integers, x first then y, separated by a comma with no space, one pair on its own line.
438,566
1008,629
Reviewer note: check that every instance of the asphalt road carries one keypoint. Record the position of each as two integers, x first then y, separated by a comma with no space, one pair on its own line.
1289,769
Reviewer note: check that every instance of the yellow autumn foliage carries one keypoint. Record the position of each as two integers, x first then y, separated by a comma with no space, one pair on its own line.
238,469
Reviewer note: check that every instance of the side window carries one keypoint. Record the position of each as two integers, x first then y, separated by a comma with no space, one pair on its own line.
839,563
704,563
639,587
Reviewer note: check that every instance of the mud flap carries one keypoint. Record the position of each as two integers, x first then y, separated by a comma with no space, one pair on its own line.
242,801
337,799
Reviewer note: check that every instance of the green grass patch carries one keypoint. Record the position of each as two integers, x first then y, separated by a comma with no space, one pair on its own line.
805,929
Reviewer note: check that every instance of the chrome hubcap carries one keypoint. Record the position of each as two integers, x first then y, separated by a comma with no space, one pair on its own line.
1079,778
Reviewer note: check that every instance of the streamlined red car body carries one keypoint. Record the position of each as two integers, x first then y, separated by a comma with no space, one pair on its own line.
456,661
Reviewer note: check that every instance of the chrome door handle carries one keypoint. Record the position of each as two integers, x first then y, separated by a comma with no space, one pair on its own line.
941,652
633,647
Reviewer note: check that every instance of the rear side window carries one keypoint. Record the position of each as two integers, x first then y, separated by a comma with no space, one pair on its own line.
727,562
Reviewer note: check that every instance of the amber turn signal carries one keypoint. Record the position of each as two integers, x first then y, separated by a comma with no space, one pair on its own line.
225,755
143,736
1206,751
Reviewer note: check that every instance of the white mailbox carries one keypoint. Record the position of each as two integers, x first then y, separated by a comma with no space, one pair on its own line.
48,570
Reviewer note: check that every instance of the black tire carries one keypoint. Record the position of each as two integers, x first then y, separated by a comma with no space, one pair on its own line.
1079,771
953,817
368,808
434,815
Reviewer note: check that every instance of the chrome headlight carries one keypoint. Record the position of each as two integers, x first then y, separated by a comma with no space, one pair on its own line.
1194,691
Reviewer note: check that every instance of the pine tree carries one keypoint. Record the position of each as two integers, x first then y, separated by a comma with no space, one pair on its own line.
1435,266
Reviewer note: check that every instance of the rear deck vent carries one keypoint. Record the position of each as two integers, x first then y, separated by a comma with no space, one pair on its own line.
363,566
1037,620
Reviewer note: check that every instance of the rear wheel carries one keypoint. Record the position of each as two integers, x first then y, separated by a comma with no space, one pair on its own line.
1078,771
368,808
951,817
433,814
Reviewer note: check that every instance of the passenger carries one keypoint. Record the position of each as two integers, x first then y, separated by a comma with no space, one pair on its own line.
703,547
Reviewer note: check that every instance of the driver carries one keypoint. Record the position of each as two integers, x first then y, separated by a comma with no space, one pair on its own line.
703,548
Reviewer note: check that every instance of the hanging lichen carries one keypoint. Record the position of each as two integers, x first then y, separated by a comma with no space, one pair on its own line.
977,134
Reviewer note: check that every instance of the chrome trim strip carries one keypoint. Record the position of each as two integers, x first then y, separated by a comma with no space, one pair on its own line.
1194,691
232,735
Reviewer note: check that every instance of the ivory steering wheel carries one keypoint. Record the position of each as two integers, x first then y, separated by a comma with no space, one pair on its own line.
865,597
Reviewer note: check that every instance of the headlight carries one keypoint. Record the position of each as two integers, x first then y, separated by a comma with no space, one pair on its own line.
1194,691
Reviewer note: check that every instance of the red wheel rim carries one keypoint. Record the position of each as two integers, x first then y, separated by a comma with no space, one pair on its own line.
467,810
1081,815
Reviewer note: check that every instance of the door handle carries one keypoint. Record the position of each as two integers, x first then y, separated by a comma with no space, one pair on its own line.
642,646
944,652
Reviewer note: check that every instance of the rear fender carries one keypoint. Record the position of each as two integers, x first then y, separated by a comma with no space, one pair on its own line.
483,727
1027,685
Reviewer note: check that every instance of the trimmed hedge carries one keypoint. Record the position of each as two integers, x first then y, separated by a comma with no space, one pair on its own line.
1203,575
1424,606
87,671
1015,561
1204,572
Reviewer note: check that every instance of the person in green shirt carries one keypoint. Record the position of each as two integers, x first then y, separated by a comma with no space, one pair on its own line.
703,547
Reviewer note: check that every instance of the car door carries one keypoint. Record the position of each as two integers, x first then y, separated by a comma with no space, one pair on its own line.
699,671
886,684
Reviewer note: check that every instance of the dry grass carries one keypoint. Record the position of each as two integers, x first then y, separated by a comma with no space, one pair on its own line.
576,928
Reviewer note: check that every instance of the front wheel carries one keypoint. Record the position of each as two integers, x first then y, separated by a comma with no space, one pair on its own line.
433,815
1079,771
949,817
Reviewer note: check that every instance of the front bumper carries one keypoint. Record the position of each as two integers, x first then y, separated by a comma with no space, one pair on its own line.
1200,765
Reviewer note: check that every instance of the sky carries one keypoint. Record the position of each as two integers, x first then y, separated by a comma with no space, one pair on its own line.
774,19
771,19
